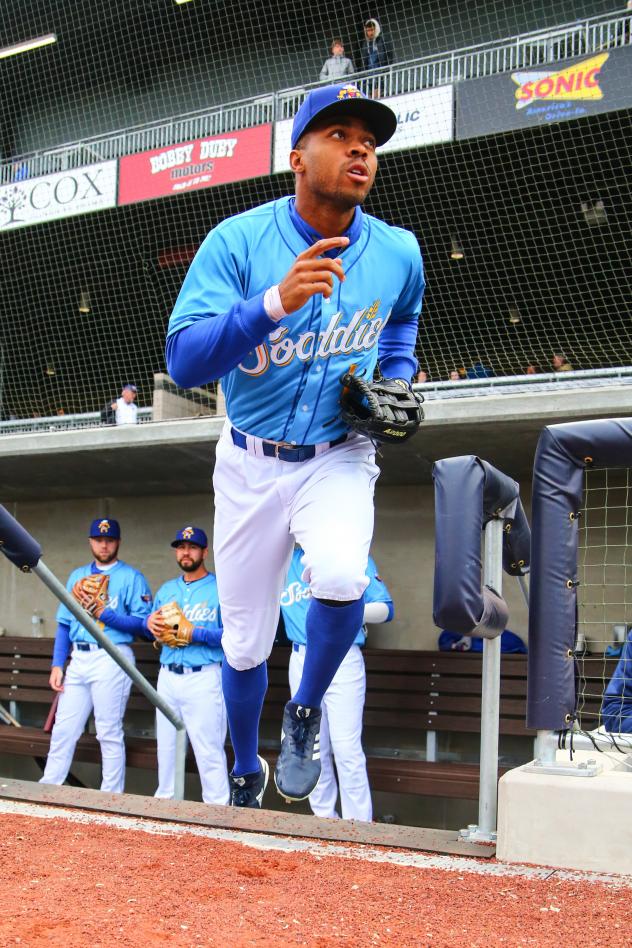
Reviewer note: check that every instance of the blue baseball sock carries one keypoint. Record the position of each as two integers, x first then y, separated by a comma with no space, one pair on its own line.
244,692
330,632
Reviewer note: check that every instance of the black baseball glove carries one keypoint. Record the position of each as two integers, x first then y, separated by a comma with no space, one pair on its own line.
386,410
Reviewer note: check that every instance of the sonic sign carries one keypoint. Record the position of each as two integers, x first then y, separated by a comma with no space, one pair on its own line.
556,93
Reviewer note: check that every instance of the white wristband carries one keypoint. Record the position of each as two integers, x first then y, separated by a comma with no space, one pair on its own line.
272,303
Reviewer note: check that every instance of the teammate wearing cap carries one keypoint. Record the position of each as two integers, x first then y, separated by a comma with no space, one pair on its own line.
343,703
190,672
93,681
279,303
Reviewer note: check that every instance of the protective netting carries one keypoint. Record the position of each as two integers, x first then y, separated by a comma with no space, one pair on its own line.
604,597
144,124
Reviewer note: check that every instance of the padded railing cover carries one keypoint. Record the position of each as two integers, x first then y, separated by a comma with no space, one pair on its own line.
563,453
468,494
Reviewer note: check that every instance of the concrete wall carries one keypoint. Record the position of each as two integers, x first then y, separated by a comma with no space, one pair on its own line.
403,548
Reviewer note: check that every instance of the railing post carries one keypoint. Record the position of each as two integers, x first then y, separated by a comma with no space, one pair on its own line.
490,699
490,705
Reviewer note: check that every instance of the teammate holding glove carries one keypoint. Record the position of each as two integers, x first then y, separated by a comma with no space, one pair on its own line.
280,302
343,703
119,597
187,627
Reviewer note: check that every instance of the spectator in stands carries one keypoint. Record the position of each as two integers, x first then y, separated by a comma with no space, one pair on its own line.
124,408
338,65
560,363
422,376
533,369
616,708
454,375
479,371
20,171
374,51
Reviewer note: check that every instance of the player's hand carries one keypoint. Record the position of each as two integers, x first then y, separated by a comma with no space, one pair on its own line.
156,624
56,680
310,274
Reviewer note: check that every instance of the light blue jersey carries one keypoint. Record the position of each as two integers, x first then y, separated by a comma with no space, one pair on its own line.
128,594
282,380
200,603
296,598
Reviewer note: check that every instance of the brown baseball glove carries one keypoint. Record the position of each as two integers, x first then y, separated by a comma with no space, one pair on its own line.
174,629
92,592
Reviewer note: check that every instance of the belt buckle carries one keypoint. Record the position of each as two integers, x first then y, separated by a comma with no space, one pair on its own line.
281,444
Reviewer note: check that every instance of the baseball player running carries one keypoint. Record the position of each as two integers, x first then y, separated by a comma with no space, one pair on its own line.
119,597
279,303
343,703
188,627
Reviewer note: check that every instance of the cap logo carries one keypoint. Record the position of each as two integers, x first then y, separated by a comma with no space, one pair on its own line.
350,92
187,533
104,526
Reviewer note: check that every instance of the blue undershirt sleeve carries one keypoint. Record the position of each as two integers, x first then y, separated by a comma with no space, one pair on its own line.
61,649
135,625
209,348
396,346
210,637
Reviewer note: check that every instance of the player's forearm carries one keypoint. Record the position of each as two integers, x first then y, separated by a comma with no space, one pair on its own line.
396,349
61,648
209,348
133,625
204,636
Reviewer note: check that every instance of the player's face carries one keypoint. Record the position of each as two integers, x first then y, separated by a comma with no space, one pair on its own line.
339,161
190,556
104,549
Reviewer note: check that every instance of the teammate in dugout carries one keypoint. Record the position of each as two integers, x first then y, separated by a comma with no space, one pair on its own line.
119,597
281,302
188,626
343,703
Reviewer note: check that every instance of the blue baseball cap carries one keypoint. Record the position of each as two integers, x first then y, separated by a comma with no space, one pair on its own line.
330,101
107,527
191,535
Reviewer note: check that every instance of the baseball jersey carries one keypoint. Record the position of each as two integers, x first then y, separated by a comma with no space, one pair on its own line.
296,598
616,709
282,379
200,603
128,594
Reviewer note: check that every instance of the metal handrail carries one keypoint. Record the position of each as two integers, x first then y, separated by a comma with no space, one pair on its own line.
473,62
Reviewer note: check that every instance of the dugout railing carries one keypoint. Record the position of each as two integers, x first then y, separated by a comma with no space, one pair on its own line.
471,497
525,50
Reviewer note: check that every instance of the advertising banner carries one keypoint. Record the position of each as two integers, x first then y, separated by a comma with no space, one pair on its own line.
423,118
64,194
541,95
192,165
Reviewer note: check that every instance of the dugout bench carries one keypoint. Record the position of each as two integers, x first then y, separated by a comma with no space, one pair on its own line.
412,696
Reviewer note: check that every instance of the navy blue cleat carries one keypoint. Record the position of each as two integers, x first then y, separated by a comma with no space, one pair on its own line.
248,790
298,766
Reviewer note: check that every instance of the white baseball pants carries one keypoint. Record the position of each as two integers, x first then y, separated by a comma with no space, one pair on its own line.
340,739
198,699
261,505
93,682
